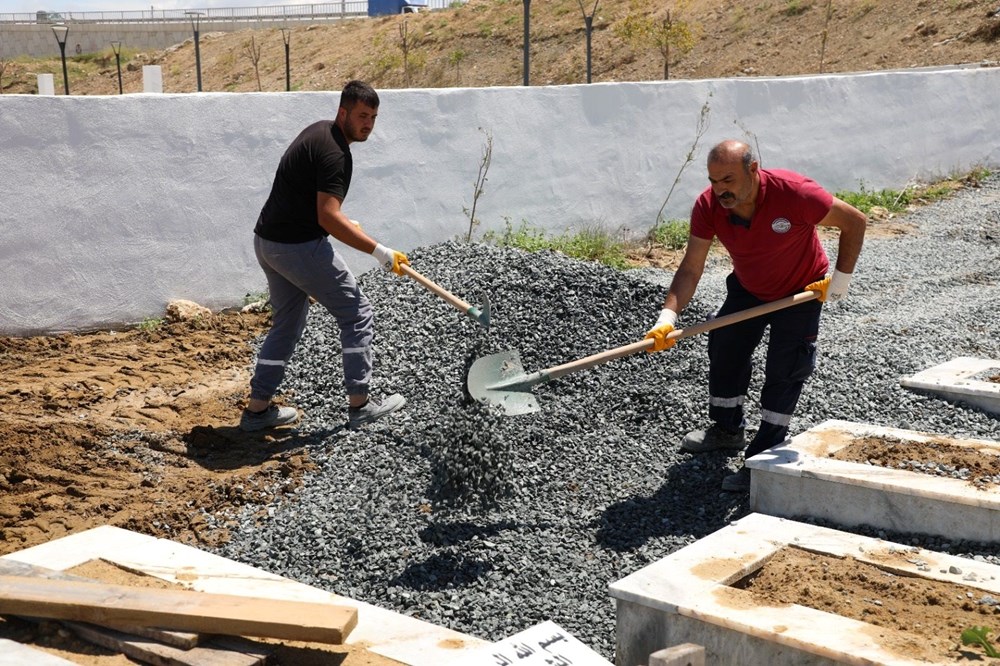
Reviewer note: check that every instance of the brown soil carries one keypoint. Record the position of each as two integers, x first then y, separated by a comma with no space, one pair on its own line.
917,618
982,469
137,428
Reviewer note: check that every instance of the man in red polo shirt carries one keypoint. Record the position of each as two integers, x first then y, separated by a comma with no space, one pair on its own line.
766,219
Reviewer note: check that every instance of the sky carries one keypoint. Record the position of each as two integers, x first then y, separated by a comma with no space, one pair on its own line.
31,6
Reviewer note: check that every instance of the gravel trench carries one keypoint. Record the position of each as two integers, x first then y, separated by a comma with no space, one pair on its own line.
491,524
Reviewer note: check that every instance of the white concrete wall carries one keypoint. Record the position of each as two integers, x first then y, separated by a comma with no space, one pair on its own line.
112,206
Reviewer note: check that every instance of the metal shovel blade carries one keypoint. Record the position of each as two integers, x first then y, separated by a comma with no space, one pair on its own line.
496,380
481,317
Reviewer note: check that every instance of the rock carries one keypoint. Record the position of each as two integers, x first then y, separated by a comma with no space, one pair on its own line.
181,310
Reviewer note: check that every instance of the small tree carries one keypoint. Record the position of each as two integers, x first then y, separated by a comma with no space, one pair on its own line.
407,43
826,34
4,64
252,51
455,58
670,33
484,166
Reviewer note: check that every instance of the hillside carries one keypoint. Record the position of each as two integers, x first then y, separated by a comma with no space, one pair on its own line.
480,44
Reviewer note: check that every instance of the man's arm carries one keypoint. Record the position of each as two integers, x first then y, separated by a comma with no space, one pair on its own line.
852,224
681,290
688,274
337,224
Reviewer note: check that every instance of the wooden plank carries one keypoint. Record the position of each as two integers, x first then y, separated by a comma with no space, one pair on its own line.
13,653
183,610
238,652
685,654
179,639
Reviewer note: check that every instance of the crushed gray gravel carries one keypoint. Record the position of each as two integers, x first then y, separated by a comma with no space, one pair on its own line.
490,524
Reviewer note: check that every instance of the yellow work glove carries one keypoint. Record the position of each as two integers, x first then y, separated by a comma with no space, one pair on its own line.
820,286
390,260
661,329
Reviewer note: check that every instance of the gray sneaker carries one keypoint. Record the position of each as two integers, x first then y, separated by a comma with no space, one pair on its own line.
373,410
738,482
713,439
271,417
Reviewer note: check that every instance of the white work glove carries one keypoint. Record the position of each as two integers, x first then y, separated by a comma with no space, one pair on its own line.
661,329
390,260
831,288
838,286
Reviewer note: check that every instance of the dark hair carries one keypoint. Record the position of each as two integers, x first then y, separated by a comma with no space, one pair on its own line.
358,91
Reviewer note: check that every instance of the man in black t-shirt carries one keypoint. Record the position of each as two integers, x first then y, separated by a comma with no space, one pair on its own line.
293,246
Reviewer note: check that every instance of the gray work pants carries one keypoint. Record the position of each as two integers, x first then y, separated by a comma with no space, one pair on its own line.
296,271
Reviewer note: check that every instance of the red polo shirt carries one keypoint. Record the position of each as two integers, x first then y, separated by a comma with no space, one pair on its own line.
780,252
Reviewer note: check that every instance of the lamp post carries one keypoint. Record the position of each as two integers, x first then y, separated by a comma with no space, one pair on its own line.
588,21
61,31
286,36
195,21
116,46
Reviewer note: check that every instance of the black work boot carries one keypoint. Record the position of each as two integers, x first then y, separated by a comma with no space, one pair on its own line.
714,439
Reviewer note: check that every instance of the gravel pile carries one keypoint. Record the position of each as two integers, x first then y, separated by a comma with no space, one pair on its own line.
490,524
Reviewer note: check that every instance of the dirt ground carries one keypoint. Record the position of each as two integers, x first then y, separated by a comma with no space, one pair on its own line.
133,428
916,618
982,469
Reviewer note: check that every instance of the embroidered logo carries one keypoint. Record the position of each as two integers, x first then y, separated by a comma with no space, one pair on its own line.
781,226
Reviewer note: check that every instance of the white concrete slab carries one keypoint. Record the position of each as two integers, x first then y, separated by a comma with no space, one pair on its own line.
798,478
390,634
686,598
964,379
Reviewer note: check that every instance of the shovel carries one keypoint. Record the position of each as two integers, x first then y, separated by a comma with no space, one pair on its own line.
499,379
481,317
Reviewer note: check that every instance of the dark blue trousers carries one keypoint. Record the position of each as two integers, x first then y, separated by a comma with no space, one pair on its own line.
791,358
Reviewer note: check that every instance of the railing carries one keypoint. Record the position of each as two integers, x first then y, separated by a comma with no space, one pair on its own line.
229,14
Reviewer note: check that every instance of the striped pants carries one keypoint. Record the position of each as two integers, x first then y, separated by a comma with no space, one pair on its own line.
296,271
791,358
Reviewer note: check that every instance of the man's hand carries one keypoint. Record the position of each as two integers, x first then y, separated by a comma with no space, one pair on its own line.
833,288
661,329
390,260
821,286
838,286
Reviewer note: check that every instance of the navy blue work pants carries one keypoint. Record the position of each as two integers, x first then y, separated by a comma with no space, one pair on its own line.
791,358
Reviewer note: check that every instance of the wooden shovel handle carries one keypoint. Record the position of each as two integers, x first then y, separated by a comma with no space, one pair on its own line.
644,344
440,291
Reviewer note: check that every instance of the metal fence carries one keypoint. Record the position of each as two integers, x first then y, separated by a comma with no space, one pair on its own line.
303,12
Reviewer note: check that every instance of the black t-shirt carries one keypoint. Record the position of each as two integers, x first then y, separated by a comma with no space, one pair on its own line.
318,160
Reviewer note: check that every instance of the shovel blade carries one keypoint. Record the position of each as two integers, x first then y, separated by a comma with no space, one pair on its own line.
481,316
488,371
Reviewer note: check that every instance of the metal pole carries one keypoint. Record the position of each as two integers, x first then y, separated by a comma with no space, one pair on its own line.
286,34
590,28
62,53
116,46
61,32
195,19
527,48
197,57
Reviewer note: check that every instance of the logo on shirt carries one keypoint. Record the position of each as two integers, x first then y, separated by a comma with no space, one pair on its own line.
781,226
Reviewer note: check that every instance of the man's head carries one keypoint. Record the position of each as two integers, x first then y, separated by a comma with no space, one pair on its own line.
358,110
732,170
